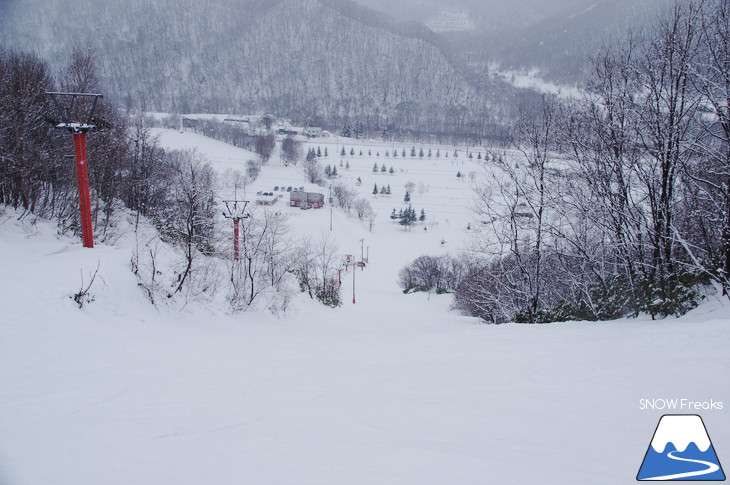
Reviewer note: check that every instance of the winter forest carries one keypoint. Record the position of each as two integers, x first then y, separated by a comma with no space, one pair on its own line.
616,203
325,233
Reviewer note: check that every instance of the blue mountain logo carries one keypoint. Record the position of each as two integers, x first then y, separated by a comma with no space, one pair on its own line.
681,450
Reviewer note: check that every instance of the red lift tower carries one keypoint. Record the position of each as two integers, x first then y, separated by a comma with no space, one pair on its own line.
235,212
79,129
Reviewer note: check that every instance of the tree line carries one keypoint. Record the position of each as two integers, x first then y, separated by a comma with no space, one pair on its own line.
618,203
170,199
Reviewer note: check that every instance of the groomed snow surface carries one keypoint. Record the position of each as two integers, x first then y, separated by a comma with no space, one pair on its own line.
394,389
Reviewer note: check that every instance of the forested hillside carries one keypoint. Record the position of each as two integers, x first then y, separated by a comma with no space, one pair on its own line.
315,61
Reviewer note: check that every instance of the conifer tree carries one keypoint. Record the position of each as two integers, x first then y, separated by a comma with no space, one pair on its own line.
325,151
420,153
375,189
375,167
422,216
383,169
352,151
391,170
387,190
407,197
413,151
319,152
343,152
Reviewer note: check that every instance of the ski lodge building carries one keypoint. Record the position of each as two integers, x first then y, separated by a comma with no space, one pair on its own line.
306,199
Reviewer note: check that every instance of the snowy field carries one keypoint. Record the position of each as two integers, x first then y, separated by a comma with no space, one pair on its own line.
394,389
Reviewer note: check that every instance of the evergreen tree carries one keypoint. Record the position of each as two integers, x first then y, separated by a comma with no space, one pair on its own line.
422,217
369,154
458,174
341,164
391,170
347,165
395,153
359,181
383,169
413,152
387,191
361,153
456,154
420,153
479,156
311,155
343,152
383,191
438,153
407,197
319,152
358,131
408,217
346,130
334,172
375,167
404,153
386,153
429,153
378,154
325,151
471,155
328,171
352,151
393,215
375,189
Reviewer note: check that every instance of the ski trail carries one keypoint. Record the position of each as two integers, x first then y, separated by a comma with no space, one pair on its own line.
712,468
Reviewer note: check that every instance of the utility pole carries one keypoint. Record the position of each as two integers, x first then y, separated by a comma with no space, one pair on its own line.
354,270
79,130
362,252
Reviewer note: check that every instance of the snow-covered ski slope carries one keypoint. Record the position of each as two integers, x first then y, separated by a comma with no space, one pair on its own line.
394,389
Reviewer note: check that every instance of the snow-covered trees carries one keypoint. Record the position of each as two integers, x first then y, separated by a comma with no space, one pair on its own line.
344,196
264,147
313,171
291,150
33,174
315,267
625,223
441,274
187,215
362,208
